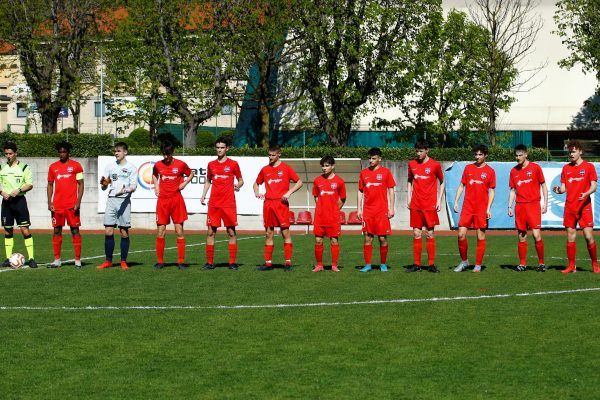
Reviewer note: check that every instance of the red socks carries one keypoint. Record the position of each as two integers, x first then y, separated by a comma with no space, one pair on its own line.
268,251
77,246
160,250
180,250
522,249
232,252
287,253
383,252
210,253
539,248
335,254
417,249
368,253
319,253
463,247
430,245
56,246
593,255
571,250
480,251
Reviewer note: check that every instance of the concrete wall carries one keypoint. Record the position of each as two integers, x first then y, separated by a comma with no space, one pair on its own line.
91,219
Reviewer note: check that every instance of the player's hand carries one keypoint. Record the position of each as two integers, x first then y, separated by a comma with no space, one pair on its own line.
77,207
556,189
285,198
544,208
5,195
156,191
359,215
488,214
510,212
408,204
260,196
236,187
582,196
15,193
105,181
203,200
391,214
455,207
50,207
438,206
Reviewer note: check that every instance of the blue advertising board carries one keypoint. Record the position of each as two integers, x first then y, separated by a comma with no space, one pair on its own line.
553,218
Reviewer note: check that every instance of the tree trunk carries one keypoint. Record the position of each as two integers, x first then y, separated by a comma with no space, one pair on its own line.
189,131
265,122
76,112
50,120
492,127
339,133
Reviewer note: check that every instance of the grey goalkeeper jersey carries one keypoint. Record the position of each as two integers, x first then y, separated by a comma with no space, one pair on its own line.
122,176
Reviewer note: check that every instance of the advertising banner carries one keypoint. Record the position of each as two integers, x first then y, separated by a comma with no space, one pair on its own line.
500,219
144,199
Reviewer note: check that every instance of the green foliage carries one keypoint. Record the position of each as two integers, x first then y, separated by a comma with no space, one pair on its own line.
139,137
69,131
578,23
84,145
205,139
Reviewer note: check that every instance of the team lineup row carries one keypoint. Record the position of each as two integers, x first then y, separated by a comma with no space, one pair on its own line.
375,204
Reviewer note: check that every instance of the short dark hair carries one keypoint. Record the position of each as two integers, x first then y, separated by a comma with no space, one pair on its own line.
122,145
374,151
64,145
10,145
422,144
521,147
574,144
327,160
480,147
274,147
167,147
223,139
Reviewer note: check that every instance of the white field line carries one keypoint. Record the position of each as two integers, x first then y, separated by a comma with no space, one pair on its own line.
293,305
138,251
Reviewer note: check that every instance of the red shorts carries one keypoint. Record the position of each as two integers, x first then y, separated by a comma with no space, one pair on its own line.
528,215
327,231
378,225
216,215
583,216
473,221
171,208
423,218
71,216
276,213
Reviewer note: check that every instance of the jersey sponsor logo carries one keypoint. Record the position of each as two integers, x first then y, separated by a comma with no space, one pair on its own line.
519,182
571,180
168,178
63,176
270,181
421,176
220,176
369,184
472,181
327,192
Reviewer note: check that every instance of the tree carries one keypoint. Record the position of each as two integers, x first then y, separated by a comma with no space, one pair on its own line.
512,27
51,37
188,47
441,89
578,23
273,46
350,44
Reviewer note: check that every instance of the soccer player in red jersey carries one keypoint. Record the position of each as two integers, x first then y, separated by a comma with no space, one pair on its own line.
65,190
375,207
169,177
329,191
424,201
579,180
478,182
526,180
221,175
276,210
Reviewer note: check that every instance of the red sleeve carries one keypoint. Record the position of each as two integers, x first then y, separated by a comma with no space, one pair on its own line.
315,191
237,172
493,179
209,174
51,177
439,173
541,178
463,179
361,184
593,174
185,169
260,178
80,168
562,176
390,180
511,179
410,173
293,175
342,190
155,171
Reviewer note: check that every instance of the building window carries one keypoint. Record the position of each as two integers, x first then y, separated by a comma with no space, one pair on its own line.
97,113
227,110
22,110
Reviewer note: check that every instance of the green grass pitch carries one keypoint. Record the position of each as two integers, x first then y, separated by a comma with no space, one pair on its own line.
170,334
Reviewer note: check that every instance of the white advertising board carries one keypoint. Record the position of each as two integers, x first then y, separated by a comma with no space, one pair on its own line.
144,199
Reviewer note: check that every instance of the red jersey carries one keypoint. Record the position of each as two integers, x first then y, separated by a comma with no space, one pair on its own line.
64,176
221,176
170,177
277,180
577,179
526,182
328,193
477,181
424,178
374,184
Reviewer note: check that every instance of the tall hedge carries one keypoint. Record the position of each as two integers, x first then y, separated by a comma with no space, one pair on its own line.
89,145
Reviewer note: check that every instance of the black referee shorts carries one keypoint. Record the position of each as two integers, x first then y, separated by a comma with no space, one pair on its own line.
15,209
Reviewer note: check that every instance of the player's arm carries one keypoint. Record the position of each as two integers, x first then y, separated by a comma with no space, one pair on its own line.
257,194
205,190
392,202
438,205
341,202
155,183
132,184
409,188
187,180
80,188
545,197
459,191
359,203
297,185
511,199
239,184
592,189
27,184
492,194
49,192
